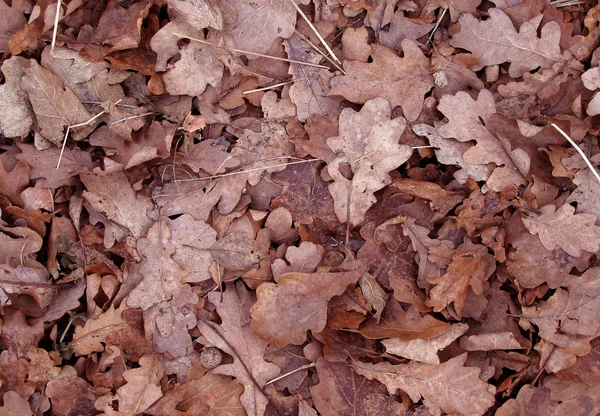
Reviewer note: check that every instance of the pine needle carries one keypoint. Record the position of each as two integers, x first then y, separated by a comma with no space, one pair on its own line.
205,42
314,29
581,153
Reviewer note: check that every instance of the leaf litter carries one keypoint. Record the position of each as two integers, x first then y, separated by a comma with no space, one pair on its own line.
299,208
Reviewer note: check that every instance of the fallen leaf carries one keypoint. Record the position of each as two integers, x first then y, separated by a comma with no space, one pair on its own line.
90,337
563,228
14,103
368,142
14,404
234,337
495,41
284,312
401,81
437,384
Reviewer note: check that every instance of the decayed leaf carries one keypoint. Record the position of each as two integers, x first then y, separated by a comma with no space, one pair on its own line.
495,41
235,337
401,81
161,277
574,311
471,266
368,142
89,338
562,227
285,311
55,105
342,392
448,386
141,390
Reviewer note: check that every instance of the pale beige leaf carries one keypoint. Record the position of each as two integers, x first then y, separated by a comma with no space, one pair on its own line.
562,227
302,259
89,338
401,81
284,312
424,350
234,332
55,106
374,294
192,240
493,341
495,41
448,386
199,13
368,142
16,111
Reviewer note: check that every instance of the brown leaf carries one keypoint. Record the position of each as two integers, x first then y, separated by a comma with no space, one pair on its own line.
210,395
235,252
55,106
17,335
192,240
368,142
141,390
90,337
311,87
471,266
160,277
437,384
562,227
14,405
285,311
402,28
198,13
341,345
495,41
14,104
236,339
401,81
342,392
72,395
302,259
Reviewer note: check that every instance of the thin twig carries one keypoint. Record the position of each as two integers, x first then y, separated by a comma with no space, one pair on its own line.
281,84
314,29
56,19
437,24
581,153
62,150
302,367
205,42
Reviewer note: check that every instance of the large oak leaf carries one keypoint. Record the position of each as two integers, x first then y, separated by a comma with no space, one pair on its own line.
235,337
495,41
368,142
448,386
562,227
285,311
401,81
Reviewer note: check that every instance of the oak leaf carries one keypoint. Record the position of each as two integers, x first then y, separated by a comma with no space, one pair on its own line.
342,392
14,104
496,41
284,312
449,387
89,338
471,266
563,228
141,390
14,404
402,28
198,13
55,106
368,142
401,81
160,277
235,337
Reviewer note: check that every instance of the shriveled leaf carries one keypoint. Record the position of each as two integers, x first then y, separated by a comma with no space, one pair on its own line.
401,81
563,228
449,387
495,41
368,142
234,332
89,338
284,312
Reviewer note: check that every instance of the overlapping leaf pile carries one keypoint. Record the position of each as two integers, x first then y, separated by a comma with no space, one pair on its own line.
394,229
